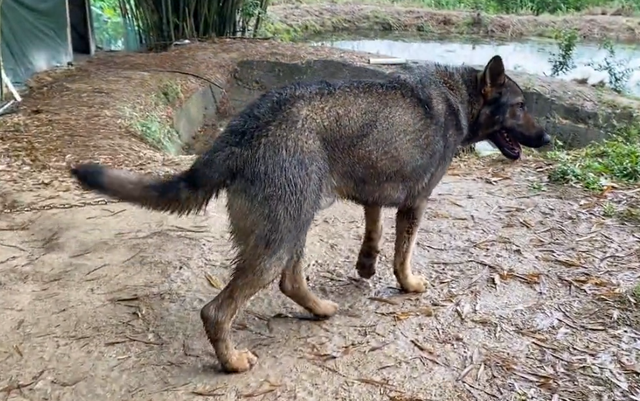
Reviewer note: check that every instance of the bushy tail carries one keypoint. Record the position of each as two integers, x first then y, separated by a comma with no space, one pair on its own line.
183,193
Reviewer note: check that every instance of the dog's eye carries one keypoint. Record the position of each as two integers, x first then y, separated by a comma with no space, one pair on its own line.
521,105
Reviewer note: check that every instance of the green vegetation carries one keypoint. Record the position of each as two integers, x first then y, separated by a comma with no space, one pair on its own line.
525,6
617,70
156,24
156,132
614,160
536,7
629,213
288,33
562,61
151,122
170,92
635,293
109,25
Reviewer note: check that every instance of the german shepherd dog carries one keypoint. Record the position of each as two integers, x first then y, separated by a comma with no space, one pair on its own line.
296,149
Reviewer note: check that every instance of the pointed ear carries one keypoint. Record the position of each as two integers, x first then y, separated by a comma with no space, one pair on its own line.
494,75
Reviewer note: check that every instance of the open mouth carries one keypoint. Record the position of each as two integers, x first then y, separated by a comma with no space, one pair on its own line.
509,147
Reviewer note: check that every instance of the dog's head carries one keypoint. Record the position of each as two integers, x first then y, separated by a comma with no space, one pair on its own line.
502,117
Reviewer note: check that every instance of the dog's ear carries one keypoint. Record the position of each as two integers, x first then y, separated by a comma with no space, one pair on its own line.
494,76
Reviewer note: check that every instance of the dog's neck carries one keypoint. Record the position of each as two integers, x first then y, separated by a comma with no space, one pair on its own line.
466,82
473,84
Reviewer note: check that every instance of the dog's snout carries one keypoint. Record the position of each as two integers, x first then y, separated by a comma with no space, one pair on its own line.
545,140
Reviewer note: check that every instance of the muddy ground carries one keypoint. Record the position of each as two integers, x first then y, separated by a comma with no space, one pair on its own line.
531,292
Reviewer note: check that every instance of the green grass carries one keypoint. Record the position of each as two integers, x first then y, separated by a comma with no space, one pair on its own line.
503,6
157,133
628,213
151,123
614,160
287,33
170,92
635,293
379,20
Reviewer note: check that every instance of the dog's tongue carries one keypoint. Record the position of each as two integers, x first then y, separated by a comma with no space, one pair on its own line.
509,143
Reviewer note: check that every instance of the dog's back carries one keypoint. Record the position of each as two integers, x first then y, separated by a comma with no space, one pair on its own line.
372,142
384,142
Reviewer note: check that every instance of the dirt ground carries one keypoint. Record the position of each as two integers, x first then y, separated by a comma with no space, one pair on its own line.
531,294
349,16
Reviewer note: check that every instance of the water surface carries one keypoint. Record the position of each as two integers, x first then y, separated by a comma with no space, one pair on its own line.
531,56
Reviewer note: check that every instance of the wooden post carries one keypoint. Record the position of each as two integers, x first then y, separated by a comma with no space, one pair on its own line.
1,68
10,86
92,44
69,40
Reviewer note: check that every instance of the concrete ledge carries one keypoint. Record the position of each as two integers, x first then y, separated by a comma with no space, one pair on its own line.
576,114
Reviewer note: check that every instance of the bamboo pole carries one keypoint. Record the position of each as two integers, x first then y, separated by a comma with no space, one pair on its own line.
4,79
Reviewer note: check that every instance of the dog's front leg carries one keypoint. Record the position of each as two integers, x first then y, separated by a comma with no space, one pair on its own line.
370,249
407,224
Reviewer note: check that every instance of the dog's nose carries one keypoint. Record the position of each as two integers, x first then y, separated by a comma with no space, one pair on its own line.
546,139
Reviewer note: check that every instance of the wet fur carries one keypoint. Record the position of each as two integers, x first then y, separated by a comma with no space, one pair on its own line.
296,149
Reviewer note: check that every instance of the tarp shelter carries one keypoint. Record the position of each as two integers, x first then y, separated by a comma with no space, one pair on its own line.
36,35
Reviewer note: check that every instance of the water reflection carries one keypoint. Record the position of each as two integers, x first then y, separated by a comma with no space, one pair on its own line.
530,56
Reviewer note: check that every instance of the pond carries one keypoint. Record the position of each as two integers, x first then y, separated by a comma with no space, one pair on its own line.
531,56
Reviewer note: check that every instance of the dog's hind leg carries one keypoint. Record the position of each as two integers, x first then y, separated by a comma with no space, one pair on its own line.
407,224
370,249
252,273
294,286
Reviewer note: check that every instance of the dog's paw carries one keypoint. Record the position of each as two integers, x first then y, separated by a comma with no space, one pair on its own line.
240,361
414,283
366,266
325,308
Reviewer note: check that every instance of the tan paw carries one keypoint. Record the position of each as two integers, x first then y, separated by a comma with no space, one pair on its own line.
414,283
325,308
240,361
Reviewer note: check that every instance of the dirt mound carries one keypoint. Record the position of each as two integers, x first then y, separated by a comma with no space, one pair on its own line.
91,112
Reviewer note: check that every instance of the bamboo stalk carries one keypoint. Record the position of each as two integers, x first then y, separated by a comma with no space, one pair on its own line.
165,21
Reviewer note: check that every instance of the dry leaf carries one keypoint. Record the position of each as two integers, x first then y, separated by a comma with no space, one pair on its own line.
213,392
214,281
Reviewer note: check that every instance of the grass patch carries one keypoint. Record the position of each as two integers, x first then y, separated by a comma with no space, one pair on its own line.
170,92
635,293
157,133
477,18
371,22
153,123
536,7
614,160
628,213
290,33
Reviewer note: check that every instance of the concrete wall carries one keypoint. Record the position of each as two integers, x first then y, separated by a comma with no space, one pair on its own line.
576,114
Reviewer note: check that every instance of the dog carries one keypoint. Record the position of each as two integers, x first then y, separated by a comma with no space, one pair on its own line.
296,149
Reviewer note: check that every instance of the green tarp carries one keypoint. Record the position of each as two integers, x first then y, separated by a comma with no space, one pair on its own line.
34,36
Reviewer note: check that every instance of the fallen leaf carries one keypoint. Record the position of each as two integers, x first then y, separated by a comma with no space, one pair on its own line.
214,281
